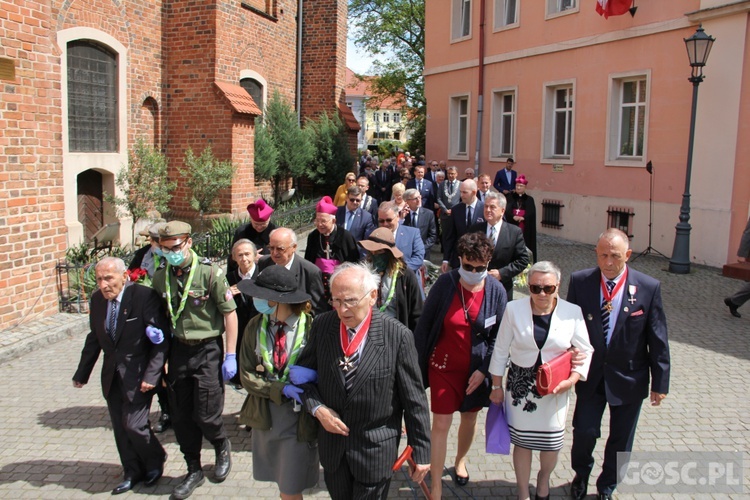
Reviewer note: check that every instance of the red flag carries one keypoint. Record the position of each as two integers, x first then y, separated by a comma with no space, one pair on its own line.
608,8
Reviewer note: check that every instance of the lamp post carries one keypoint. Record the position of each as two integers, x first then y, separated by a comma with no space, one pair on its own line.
698,48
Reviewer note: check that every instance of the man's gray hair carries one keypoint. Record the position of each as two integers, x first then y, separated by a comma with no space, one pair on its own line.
439,175
410,193
244,241
354,190
544,267
452,168
389,206
285,230
367,277
116,262
612,233
501,199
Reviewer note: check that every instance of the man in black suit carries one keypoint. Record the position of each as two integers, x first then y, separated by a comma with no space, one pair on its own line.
120,317
369,204
628,330
282,247
243,254
384,179
426,188
463,216
368,379
422,219
509,258
258,230
353,218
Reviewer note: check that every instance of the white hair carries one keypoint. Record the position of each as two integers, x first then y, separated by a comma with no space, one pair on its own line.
285,230
368,279
544,267
116,262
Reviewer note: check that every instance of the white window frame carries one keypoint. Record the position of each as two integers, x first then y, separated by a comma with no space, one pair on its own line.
396,117
386,117
614,119
376,117
556,8
549,117
254,75
500,18
497,123
456,117
458,8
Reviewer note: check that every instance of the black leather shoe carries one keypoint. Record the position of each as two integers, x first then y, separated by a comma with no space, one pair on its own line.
579,487
126,485
193,479
462,480
732,308
223,461
537,497
603,496
163,424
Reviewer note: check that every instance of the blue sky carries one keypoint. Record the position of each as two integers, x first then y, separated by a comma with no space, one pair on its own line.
357,61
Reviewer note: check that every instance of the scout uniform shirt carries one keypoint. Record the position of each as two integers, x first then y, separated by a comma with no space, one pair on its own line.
208,299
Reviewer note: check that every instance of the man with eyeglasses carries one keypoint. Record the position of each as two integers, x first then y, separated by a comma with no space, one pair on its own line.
282,248
368,379
420,218
353,218
509,257
408,239
201,308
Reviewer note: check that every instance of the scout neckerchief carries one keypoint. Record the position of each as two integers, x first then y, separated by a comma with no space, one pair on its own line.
350,347
391,292
266,352
185,292
609,296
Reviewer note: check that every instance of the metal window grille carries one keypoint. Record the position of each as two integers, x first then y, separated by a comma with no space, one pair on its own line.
621,218
551,213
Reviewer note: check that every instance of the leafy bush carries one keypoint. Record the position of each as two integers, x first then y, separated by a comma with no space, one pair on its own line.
332,158
206,177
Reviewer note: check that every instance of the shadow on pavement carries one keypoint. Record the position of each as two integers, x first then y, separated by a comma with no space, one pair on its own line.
76,417
90,477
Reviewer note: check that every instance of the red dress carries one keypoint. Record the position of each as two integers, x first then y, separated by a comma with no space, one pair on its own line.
448,370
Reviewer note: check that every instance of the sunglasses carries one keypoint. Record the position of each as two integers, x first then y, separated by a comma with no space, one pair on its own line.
474,269
548,289
355,200
385,221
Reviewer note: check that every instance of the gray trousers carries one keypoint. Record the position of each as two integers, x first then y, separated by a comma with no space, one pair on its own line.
741,296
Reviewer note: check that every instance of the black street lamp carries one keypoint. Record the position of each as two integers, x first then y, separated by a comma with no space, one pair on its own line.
698,48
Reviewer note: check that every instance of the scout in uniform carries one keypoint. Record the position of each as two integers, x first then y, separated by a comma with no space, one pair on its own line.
201,307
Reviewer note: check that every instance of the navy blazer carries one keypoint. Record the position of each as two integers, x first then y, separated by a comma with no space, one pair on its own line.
501,181
362,224
428,192
409,241
638,346
427,228
458,229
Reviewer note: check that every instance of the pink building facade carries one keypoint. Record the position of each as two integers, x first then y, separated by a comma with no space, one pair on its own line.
584,103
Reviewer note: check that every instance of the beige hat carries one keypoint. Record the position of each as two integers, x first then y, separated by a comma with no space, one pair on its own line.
381,239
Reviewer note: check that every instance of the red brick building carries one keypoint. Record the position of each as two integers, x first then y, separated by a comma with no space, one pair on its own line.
81,80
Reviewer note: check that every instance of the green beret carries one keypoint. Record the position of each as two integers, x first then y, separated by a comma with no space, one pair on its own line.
174,228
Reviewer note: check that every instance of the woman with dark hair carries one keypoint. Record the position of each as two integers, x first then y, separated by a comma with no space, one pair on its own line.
399,295
283,435
521,212
455,337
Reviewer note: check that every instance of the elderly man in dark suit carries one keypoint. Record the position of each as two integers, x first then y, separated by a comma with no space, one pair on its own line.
353,217
464,215
282,247
628,330
368,379
422,219
509,258
122,318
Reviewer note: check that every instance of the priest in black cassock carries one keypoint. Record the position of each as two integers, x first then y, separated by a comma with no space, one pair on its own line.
329,245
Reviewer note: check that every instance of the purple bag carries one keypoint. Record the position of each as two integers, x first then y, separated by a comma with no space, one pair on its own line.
497,435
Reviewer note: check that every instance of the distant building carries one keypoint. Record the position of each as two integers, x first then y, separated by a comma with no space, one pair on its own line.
584,103
379,120
81,80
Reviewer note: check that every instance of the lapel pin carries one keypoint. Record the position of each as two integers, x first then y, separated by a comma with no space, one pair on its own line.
626,309
589,317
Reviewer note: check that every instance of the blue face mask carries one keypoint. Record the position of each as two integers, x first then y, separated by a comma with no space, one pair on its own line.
262,306
157,251
174,258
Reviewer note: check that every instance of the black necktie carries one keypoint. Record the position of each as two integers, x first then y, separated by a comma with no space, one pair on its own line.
468,215
354,360
112,321
414,219
606,308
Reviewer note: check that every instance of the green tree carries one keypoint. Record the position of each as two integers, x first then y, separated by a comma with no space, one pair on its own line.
266,154
292,143
206,177
144,184
332,157
393,29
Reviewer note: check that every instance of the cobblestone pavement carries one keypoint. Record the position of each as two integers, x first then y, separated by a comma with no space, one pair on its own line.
55,441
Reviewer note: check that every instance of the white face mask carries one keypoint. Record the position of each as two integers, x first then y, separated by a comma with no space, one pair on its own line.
471,277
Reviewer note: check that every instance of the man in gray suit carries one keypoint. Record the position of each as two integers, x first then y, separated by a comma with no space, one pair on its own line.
368,378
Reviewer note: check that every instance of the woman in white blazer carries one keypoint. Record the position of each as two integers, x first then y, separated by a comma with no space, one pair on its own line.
533,331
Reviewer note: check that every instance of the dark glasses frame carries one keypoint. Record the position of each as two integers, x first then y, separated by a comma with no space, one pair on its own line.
472,269
547,289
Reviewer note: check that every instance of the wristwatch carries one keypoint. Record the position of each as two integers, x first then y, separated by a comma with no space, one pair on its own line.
496,387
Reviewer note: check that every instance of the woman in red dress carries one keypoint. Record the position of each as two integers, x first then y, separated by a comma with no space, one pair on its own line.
455,337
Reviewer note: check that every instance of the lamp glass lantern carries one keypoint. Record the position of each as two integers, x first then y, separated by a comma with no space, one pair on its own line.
698,47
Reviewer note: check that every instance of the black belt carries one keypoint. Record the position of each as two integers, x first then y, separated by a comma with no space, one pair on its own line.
195,342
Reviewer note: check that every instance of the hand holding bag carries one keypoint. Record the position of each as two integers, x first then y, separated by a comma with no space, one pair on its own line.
497,435
551,373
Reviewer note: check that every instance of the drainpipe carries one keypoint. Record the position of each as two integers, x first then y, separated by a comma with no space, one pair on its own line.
480,100
299,61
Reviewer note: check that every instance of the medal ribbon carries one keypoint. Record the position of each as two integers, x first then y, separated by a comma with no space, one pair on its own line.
266,353
185,292
350,348
609,296
391,293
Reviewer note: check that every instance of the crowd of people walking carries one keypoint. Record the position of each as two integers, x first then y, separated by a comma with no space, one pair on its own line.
336,348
